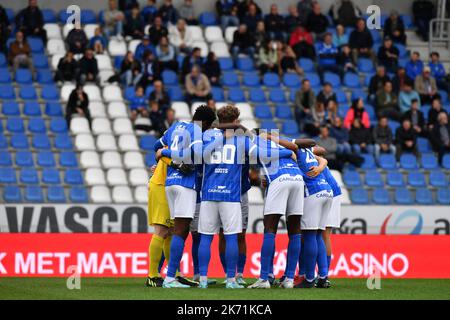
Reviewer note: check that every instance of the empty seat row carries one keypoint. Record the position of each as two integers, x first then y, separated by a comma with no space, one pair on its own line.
35,125
401,196
46,176
38,141
35,194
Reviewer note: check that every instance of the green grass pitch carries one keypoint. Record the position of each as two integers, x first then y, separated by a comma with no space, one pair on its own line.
133,288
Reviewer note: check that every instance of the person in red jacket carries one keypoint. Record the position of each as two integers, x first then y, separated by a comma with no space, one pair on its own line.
357,111
302,43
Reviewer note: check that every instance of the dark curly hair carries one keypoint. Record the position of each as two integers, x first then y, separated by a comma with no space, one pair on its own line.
206,115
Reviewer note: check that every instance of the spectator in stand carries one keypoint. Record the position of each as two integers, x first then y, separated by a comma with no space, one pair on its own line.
227,12
244,8
242,42
345,61
314,120
189,61
165,53
145,45
361,41
382,137
414,67
345,12
275,26
19,55
436,109
288,63
426,86
305,100
399,80
377,83
114,20
406,96
181,37
438,72
88,68
31,21
149,12
168,13
98,42
387,103
340,38
157,117
415,116
357,111
341,135
160,95
5,30
67,68
388,55
198,87
211,104
302,43
157,31
211,68
150,69
423,11
77,40
327,95
252,18
327,54
134,26
440,135
169,121
187,13
130,70
260,36
293,19
394,28
268,59
77,106
330,144
406,138
304,8
317,22
126,5
360,138
138,104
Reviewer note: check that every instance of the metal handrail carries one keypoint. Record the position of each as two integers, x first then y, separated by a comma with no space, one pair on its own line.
439,32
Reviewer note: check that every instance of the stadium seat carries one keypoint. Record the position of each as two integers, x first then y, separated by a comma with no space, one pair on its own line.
230,79
283,111
133,160
268,125
15,125
408,162
50,176
5,159
423,145
257,95
150,159
90,159
59,125
117,110
3,141
251,79
169,78
147,142
84,142
7,92
289,128
236,95
106,142
5,77
332,78
438,179
55,194
63,141
95,176
79,126
141,194
244,64
291,80
138,177
403,196
262,111
387,162
93,92
365,65
112,159
229,33
443,196
306,64
369,161
395,179
246,112
207,19
27,92
100,194
50,92
78,195
429,161
41,141
29,176
122,194
40,61
12,194
424,196
416,179
10,108
19,141
23,76
128,142
8,175
37,125
381,196
101,126
271,80
53,31
220,49
56,47
359,196
213,34
46,159
352,178
277,96
226,63
175,93
217,94
373,179
68,159
34,194
313,79
446,161
112,93
351,80
117,47
32,108
24,159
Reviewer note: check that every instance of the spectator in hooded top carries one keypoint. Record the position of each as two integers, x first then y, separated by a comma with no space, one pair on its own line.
357,111
168,13
197,84
242,42
406,139
149,12
77,105
400,79
145,45
211,68
302,43
406,96
415,116
31,21
317,22
440,135
340,38
388,55
394,28
293,19
134,26
77,40
377,82
98,42
160,95
268,58
387,103
436,109
414,66
67,68
88,67
423,12
227,12
345,12
244,8
190,60
252,18
187,13
19,55
360,138
383,139
426,86
361,41
130,70
327,54
438,72
341,135
166,56
274,23
157,31
305,100
114,20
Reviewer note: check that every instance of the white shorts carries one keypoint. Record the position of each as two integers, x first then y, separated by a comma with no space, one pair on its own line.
244,210
194,222
316,211
334,218
181,201
285,196
215,214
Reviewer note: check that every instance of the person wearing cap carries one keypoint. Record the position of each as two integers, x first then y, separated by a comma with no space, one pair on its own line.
395,28
426,86
388,55
145,45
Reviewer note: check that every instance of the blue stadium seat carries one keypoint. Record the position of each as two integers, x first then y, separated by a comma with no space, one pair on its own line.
369,161
68,159
371,111
230,79
49,16
403,52
289,128
56,194
226,63
313,79
44,77
5,77
408,161
7,92
268,125
394,125
32,108
332,78
150,159
429,161
236,95
271,80
342,110
63,141
245,64
263,111
49,92
443,196
351,80
23,76
352,178
251,79
403,196
147,142
217,94
423,145
306,64
395,179
58,125
446,161
373,178
416,179
257,95
277,96
8,175
78,195
34,194
29,176
381,196
424,196
3,142
27,92
207,19
365,65
24,159
291,80
46,159
40,61
5,159
73,177
387,162
438,179
36,44
341,97
12,194
53,109
50,176
169,78
283,111
444,96
3,63
358,94
37,125
19,141
118,62
407,21
11,108
175,93
359,196
15,125
88,16
41,141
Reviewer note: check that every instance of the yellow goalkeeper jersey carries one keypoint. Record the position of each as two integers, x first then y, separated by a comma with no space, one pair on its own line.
159,177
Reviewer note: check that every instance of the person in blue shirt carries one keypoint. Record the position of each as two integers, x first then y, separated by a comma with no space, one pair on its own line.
145,45
98,42
414,67
327,54
406,96
438,72
149,12
138,104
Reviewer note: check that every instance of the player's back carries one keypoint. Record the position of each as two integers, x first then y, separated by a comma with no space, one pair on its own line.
306,160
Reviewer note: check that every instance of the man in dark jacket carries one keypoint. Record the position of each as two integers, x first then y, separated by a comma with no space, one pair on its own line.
382,138
168,13
189,61
423,13
88,67
157,31
361,41
415,116
341,134
78,105
293,19
440,135
242,42
31,21
395,28
67,68
252,18
134,26
77,40
388,55
406,138
317,22
160,95
377,82
387,103
274,23
345,12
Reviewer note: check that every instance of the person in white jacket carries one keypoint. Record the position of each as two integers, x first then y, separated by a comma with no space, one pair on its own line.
180,36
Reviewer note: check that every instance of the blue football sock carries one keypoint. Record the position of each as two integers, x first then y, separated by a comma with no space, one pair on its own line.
272,257
204,253
293,253
329,262
322,263
223,261
301,260
195,245
176,253
231,254
310,249
161,263
267,252
241,262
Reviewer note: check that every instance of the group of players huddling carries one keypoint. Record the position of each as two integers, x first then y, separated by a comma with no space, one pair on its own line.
200,185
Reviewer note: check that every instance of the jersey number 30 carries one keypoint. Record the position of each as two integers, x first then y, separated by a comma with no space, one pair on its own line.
226,155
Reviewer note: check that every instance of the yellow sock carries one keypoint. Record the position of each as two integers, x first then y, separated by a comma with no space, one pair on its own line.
155,251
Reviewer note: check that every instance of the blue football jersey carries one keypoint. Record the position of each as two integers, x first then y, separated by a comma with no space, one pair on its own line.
306,160
332,182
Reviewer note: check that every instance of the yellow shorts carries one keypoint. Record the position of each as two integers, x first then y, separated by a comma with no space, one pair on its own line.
158,209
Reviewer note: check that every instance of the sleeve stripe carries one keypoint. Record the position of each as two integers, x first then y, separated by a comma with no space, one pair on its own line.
196,141
251,149
162,142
